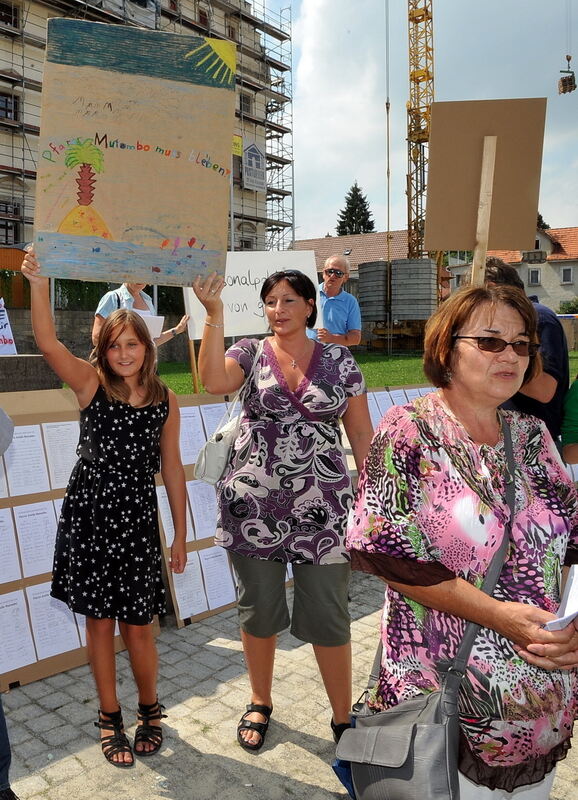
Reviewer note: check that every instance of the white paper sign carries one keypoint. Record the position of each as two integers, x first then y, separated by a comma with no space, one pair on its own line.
3,482
245,274
383,400
61,439
398,397
203,500
212,414
568,605
7,344
9,564
36,530
374,410
167,518
189,590
217,575
17,646
192,435
53,625
153,323
25,462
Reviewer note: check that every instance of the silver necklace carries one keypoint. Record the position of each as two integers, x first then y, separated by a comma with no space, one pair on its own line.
293,362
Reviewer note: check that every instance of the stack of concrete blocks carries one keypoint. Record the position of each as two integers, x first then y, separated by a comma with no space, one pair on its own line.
413,288
372,296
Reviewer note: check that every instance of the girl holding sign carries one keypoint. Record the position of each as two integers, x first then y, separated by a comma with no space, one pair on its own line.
107,563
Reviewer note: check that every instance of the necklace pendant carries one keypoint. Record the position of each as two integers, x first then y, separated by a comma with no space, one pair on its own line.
293,364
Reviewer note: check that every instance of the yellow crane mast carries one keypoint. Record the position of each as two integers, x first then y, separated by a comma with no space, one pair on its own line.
421,95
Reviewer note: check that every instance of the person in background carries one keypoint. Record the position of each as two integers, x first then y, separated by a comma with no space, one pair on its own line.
339,310
6,793
429,515
544,395
284,497
132,297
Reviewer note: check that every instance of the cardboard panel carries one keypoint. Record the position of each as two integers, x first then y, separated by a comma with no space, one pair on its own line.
455,159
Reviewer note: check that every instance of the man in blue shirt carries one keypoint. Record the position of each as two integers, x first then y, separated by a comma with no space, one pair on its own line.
339,312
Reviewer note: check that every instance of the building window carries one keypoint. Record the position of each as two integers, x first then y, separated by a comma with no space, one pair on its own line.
9,15
537,244
534,277
9,228
8,106
458,280
245,103
232,30
237,161
247,244
567,275
204,17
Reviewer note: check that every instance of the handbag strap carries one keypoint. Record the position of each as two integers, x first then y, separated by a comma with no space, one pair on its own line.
239,397
458,665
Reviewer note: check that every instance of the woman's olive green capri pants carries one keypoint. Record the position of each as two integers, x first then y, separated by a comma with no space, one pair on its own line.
320,600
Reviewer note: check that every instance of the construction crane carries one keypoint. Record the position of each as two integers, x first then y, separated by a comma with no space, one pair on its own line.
421,95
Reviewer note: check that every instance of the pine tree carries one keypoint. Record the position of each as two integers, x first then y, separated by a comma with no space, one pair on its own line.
356,216
541,224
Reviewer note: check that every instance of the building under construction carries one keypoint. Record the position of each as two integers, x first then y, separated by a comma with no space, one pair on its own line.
262,213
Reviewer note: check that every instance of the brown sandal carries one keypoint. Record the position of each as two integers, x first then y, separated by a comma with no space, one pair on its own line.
117,742
147,733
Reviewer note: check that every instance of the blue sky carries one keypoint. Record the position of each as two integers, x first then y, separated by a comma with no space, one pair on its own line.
492,50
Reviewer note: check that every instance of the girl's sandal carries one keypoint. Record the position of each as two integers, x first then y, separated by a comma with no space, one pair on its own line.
117,743
147,733
259,727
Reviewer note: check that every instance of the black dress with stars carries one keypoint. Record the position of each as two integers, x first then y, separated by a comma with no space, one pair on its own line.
107,561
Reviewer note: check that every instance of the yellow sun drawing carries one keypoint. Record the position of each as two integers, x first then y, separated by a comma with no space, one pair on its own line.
218,57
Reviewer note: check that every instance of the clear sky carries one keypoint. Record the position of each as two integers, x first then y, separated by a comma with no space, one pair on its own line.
491,50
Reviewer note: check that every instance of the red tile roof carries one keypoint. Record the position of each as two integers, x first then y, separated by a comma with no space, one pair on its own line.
565,247
363,247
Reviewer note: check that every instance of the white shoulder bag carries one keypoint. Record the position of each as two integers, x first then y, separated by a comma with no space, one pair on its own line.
215,454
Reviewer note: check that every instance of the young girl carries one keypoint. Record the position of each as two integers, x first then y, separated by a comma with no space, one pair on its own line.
107,563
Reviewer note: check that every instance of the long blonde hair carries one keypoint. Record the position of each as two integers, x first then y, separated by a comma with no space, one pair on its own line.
155,390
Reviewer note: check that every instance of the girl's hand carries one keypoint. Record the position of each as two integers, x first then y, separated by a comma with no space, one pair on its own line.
31,268
208,291
182,326
178,556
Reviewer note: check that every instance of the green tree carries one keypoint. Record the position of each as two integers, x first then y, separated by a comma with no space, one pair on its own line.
356,216
541,224
86,155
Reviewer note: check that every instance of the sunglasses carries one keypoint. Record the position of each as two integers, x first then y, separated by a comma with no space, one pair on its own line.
492,344
337,272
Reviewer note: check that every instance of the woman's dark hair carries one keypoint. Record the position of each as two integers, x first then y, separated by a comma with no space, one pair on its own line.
301,285
455,312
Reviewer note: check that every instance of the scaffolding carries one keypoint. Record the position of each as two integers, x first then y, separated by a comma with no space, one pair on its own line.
260,219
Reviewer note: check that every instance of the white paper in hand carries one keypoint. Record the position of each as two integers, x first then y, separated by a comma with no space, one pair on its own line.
568,610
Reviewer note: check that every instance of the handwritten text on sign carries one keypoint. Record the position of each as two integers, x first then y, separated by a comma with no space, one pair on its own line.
7,345
245,274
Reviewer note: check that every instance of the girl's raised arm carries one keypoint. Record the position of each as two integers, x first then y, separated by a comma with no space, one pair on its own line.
77,373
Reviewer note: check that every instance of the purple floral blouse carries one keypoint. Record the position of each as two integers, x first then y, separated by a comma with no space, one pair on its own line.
428,494
287,492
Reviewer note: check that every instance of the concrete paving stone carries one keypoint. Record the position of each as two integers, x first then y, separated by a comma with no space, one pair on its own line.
14,699
54,700
60,680
76,713
46,720
228,673
59,736
22,713
18,733
82,691
62,770
26,787
36,690
173,656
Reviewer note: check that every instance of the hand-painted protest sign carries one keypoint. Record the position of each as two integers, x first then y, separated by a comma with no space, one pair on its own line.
135,153
7,344
243,311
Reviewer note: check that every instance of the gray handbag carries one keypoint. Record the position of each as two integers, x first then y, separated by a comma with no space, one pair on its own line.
410,751
215,454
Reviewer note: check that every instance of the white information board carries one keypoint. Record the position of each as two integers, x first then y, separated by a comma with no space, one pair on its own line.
246,272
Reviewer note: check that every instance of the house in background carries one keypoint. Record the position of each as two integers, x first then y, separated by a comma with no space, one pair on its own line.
549,271
360,248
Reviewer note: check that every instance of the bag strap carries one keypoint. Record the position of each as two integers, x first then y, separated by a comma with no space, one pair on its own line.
458,665
239,397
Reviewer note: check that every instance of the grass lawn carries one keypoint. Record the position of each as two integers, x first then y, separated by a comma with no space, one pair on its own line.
379,371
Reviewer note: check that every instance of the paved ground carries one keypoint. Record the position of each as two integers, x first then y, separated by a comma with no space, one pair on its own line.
204,685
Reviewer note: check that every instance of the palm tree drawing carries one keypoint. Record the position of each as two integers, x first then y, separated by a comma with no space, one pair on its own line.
84,219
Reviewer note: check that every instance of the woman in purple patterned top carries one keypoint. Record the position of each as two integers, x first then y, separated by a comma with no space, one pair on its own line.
430,513
285,496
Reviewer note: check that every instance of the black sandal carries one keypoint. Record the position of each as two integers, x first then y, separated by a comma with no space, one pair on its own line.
117,743
147,733
248,725
339,730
